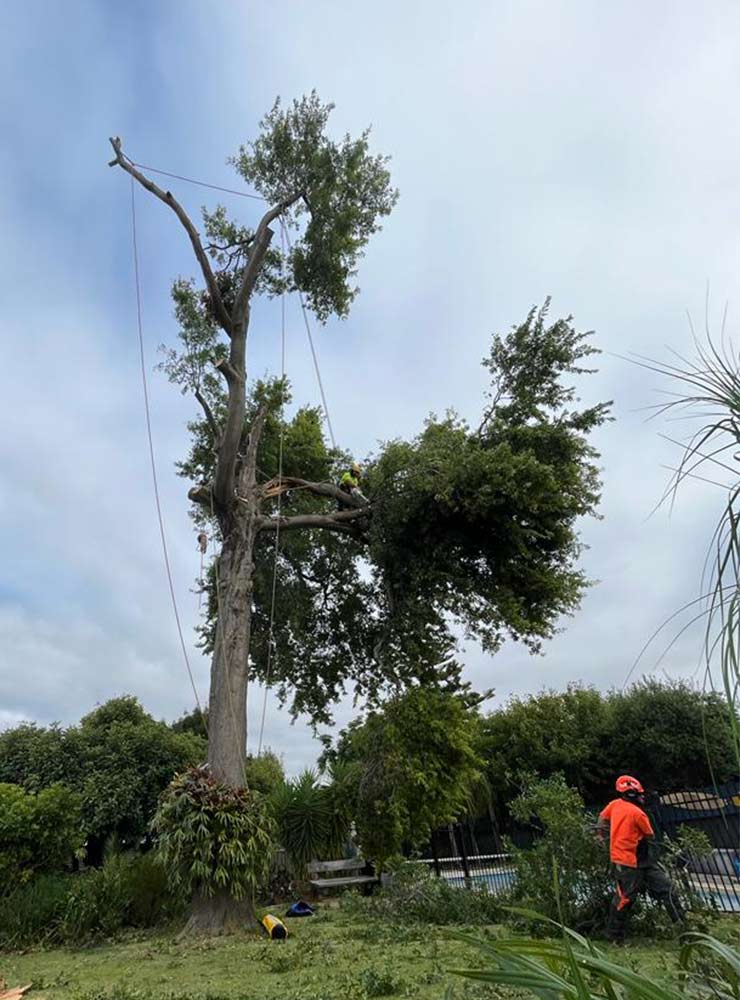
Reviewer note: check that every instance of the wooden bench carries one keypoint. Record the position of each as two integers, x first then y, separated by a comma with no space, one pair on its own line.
351,871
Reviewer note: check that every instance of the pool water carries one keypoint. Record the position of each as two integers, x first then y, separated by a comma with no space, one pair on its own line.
726,902
493,881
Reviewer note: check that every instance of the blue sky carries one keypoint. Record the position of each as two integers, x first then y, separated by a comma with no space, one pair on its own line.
575,149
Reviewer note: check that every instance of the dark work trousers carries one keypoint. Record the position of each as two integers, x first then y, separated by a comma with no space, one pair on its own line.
631,882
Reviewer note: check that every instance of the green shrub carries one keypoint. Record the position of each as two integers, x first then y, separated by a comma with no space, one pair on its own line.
212,837
567,844
376,982
38,832
128,891
416,895
32,912
310,824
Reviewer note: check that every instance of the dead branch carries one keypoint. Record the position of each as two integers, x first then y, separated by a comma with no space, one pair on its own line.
167,198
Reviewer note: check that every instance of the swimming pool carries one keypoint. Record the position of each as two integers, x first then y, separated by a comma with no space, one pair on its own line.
720,898
493,881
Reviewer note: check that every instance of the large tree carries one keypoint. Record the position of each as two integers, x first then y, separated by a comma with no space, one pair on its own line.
470,529
118,759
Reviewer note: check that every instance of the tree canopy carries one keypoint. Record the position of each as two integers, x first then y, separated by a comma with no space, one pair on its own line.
118,760
469,531
671,735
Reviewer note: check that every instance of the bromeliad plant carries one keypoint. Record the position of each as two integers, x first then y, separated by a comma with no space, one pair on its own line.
215,841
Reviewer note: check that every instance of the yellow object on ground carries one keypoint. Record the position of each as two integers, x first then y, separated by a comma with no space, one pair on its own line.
274,926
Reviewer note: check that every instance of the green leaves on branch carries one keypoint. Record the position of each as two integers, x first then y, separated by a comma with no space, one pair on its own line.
346,191
118,759
212,837
39,832
414,767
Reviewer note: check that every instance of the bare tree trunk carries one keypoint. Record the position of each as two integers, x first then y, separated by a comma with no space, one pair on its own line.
219,914
227,709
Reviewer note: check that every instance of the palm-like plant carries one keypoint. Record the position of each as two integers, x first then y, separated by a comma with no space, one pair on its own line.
311,827
573,968
709,395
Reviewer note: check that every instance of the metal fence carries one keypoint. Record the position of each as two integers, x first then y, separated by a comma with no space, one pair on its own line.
473,852
715,813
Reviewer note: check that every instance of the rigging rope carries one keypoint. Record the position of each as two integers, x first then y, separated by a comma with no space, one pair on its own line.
270,632
315,358
155,481
190,180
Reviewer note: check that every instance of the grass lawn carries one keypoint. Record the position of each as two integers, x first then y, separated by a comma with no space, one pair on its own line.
327,957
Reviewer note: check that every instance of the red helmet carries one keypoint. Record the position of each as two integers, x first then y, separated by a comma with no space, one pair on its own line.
626,783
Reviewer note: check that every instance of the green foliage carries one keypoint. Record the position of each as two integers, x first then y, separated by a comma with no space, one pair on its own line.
548,733
575,969
377,981
265,774
128,891
479,526
118,759
194,722
471,530
710,966
414,766
31,912
672,735
310,828
568,845
415,895
39,832
212,837
346,188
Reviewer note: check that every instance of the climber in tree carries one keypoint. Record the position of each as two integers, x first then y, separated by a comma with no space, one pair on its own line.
350,481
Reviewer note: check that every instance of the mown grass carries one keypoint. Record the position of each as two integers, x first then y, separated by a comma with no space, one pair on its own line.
332,956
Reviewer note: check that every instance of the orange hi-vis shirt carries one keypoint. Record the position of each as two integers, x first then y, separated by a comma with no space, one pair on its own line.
628,825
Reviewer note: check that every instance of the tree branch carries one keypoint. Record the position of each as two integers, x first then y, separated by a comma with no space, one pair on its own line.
227,370
126,164
249,470
260,244
215,429
343,522
278,485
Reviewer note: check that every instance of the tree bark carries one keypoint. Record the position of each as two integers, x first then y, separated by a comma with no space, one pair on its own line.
219,914
227,706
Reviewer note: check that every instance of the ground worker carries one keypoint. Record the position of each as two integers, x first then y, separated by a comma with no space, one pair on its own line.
633,853
350,481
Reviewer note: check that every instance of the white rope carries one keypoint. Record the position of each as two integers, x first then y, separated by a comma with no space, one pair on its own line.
270,633
160,517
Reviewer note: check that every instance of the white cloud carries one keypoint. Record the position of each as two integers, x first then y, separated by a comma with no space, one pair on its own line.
570,149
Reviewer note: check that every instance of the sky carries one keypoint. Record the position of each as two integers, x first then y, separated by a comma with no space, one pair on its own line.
579,150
